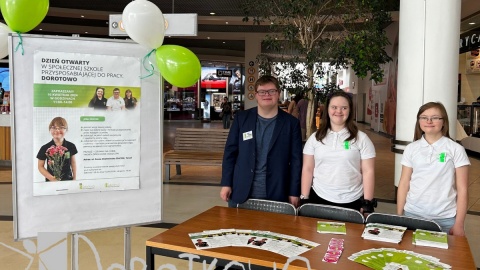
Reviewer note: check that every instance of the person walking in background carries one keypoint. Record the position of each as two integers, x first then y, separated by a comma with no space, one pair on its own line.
98,102
292,107
302,107
339,160
263,152
434,179
130,101
226,113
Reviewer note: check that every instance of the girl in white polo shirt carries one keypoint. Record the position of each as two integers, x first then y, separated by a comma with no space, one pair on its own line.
339,160
434,179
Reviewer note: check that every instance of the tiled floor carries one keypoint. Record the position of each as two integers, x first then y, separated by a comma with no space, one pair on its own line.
197,190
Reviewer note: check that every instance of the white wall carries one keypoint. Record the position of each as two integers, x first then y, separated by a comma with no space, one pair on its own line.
470,82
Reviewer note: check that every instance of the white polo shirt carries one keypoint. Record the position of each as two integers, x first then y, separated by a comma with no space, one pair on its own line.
432,192
337,175
115,104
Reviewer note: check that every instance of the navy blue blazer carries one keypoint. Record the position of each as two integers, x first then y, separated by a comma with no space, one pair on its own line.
284,159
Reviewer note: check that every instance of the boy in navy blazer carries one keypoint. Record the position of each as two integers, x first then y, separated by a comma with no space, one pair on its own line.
263,152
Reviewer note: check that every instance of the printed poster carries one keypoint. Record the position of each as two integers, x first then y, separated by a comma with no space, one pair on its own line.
86,123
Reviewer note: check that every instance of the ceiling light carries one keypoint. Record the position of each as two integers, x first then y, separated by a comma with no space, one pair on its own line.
208,37
82,16
223,42
212,13
86,32
226,22
471,23
40,29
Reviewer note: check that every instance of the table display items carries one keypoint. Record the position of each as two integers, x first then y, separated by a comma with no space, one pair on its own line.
331,227
393,259
334,250
383,232
430,239
282,244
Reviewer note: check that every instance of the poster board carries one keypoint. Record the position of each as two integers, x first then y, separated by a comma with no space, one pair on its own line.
83,210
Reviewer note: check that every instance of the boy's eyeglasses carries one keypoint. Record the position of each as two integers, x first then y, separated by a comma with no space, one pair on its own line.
270,92
433,119
58,128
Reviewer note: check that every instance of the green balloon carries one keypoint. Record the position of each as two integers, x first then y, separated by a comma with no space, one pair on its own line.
178,65
23,15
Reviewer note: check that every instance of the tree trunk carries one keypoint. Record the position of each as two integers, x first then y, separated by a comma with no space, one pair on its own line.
311,104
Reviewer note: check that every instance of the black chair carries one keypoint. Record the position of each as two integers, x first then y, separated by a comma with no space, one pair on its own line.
410,222
331,212
269,206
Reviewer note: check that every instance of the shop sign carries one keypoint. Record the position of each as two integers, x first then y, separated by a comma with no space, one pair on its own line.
224,73
470,41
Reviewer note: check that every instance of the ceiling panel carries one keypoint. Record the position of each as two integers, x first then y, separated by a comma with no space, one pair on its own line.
224,32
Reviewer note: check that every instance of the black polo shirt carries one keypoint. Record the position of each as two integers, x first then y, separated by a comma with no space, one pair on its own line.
67,168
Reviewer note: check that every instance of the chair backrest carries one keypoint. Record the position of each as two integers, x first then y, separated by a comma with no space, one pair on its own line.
410,222
331,212
269,206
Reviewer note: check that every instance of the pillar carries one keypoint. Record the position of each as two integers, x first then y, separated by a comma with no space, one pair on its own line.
253,47
427,65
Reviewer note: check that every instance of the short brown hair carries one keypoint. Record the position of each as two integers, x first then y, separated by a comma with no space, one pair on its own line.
267,79
59,122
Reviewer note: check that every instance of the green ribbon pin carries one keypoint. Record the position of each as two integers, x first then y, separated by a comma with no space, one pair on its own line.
442,156
346,145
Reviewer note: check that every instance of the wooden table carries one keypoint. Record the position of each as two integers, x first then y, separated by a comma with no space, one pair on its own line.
176,241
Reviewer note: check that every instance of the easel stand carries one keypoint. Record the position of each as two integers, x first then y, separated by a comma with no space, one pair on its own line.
127,254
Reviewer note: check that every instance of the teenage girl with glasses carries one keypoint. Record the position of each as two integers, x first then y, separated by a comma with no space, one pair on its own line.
434,179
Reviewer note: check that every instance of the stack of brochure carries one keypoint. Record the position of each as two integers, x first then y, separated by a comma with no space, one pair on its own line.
331,227
383,232
430,239
393,259
282,244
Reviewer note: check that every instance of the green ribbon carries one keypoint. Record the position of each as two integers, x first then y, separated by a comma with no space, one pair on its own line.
20,43
151,68
346,145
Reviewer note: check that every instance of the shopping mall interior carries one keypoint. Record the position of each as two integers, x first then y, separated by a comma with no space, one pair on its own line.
221,43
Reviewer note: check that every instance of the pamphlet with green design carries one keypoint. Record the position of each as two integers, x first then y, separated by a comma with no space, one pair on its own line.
430,239
331,227
393,259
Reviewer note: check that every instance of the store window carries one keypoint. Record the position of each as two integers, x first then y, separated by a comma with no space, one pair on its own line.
203,100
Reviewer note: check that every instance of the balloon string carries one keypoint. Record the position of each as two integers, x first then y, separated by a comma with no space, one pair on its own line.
20,43
151,68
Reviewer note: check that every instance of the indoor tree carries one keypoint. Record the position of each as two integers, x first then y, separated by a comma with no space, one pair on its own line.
345,33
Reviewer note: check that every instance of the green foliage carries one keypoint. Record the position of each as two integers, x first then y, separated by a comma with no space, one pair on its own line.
342,32
326,90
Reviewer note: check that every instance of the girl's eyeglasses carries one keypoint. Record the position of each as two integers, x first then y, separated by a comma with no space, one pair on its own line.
58,128
433,118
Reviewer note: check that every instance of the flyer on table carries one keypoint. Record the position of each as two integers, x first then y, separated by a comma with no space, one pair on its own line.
86,123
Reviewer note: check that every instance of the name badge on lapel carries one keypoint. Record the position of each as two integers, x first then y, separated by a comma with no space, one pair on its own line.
247,135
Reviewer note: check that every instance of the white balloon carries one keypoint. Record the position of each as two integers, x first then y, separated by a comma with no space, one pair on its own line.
4,31
144,23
